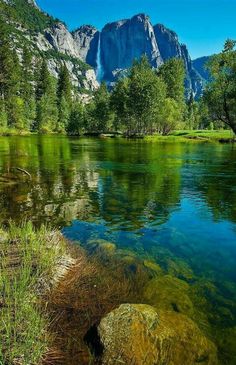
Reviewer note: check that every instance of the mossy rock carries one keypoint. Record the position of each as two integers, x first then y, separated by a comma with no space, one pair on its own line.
169,293
99,246
138,334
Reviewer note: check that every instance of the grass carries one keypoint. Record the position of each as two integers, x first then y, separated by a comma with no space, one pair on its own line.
214,135
194,135
27,260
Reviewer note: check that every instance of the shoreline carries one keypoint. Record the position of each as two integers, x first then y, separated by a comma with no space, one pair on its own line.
78,293
221,136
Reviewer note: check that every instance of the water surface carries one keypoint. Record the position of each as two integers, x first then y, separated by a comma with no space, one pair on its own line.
173,203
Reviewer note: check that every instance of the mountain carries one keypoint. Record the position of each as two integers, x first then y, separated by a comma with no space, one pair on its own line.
109,52
30,27
122,41
200,65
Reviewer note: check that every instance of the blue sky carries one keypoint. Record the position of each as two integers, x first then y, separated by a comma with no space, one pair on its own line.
202,24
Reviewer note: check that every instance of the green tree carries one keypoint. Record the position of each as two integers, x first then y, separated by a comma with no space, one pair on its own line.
27,88
192,113
146,94
173,74
47,111
3,114
98,113
220,94
169,117
76,123
119,104
10,82
64,97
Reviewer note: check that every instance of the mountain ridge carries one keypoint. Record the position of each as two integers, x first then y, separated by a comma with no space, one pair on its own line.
121,42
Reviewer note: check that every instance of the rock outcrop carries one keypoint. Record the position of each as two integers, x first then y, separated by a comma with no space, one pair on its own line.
86,39
110,52
135,334
124,41
61,40
199,64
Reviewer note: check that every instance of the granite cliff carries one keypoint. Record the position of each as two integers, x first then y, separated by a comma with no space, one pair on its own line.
123,41
109,52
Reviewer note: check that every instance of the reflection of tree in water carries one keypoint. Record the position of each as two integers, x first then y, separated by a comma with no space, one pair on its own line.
218,185
138,186
57,189
128,183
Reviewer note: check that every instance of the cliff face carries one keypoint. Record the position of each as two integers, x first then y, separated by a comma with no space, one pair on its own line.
86,39
124,41
110,52
200,65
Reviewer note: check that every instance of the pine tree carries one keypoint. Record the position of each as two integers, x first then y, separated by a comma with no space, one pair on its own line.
76,123
64,97
10,78
27,89
47,111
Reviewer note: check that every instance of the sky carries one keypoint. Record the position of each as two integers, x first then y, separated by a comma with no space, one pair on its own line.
203,25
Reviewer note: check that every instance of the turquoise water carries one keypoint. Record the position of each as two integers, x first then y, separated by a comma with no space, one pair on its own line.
170,203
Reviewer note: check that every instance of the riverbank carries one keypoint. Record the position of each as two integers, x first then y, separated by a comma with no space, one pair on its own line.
60,305
223,136
51,294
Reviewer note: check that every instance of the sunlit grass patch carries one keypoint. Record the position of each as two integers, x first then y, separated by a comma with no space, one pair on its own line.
27,260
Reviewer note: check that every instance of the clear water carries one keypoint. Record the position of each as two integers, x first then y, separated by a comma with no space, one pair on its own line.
173,203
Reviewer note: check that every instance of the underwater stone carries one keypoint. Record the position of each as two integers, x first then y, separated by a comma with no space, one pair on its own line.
169,293
139,335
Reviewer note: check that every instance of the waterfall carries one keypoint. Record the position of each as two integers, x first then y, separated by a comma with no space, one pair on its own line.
99,70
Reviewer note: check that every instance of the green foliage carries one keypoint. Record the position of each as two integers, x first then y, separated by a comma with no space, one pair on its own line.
64,97
76,123
144,103
28,16
170,116
173,74
220,94
98,113
27,258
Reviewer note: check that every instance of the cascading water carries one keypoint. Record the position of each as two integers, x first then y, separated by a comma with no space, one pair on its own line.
99,70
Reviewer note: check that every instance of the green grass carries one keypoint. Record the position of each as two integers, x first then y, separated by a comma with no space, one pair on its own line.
27,261
207,134
194,136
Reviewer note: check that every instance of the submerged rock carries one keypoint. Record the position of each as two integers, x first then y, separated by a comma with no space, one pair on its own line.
136,334
169,293
101,247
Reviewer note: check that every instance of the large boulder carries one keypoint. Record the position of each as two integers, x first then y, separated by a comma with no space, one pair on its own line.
136,334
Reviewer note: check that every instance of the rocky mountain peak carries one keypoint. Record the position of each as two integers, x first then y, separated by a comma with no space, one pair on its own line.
126,40
30,2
